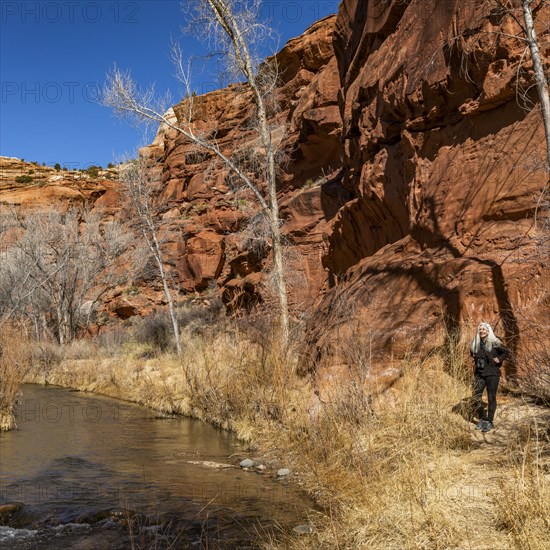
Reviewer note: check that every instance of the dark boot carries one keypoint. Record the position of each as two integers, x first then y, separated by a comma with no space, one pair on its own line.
487,427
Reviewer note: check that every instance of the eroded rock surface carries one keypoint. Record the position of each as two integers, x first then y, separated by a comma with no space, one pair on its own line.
209,224
41,186
444,163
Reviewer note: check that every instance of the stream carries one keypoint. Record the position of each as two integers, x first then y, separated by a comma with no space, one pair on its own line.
90,472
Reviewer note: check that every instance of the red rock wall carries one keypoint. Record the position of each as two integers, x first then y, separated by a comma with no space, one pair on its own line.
206,220
445,163
425,224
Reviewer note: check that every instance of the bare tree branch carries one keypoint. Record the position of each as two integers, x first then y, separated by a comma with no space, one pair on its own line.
135,181
234,25
52,264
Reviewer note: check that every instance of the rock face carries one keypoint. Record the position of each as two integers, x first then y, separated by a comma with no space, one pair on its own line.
444,163
408,196
210,225
30,185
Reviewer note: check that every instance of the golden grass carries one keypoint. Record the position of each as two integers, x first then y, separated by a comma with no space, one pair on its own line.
523,502
14,363
382,478
400,470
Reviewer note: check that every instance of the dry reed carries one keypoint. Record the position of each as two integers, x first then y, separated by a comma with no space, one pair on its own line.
396,470
14,363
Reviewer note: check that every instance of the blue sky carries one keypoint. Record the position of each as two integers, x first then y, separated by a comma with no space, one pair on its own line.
54,54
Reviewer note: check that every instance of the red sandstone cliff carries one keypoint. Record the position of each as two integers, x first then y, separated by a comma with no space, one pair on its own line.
445,164
207,221
427,225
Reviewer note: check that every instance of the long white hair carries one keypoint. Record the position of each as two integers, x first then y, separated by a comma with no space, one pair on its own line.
490,342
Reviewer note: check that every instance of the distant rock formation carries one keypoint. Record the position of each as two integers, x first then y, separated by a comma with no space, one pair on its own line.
31,185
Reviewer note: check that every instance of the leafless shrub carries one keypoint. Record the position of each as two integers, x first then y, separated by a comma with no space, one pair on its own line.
196,318
80,349
535,380
156,330
55,268
456,353
46,356
111,340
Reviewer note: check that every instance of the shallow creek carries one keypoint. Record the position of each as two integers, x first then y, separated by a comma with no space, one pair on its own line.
85,471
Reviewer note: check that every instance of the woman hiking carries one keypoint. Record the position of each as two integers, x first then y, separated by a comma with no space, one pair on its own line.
488,353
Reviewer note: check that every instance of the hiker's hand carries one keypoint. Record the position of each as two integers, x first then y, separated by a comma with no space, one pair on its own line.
496,360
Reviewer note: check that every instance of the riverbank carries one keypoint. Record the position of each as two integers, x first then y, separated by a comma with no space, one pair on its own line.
400,470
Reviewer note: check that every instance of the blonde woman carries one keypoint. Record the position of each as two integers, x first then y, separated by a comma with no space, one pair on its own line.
488,353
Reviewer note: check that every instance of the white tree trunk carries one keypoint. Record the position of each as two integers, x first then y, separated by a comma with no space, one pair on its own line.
542,84
136,183
227,21
155,247
122,94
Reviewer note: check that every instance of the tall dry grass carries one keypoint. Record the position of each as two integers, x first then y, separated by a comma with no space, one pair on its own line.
523,501
381,470
389,470
15,359
535,381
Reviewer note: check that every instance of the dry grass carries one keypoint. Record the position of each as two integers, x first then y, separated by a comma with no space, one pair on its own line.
398,470
523,502
14,362
381,473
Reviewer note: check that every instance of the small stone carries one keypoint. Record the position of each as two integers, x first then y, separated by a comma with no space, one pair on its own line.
246,463
283,472
303,530
9,507
260,467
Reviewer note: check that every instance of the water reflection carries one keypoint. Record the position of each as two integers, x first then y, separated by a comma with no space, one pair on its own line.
82,459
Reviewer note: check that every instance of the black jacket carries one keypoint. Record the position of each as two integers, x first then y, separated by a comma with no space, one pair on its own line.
484,361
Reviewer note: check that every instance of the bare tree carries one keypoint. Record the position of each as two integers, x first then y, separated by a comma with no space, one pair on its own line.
55,267
529,36
136,181
523,13
234,25
526,15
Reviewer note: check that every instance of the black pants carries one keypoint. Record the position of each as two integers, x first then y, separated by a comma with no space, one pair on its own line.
480,383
